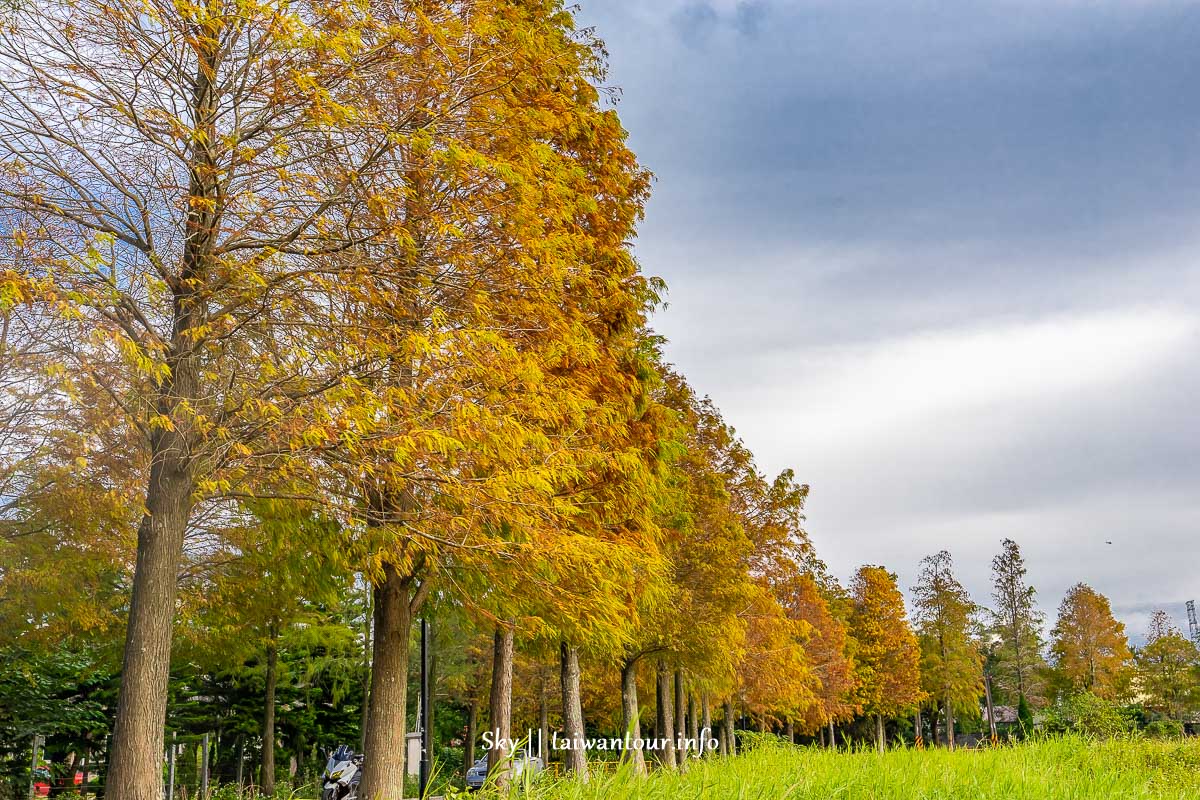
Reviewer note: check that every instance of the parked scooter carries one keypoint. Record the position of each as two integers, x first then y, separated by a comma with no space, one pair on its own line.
342,773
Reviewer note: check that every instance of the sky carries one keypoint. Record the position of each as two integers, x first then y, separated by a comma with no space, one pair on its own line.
943,260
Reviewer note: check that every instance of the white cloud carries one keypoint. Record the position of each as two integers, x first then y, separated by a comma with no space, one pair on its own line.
847,397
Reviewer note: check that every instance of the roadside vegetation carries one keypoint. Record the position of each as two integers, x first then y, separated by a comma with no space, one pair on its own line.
1059,768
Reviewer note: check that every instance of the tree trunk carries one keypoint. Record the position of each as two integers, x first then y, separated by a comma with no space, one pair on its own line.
135,755
790,732
631,718
472,735
543,724
664,727
266,778
730,729
368,613
693,724
705,724
680,721
572,710
500,707
949,724
880,745
383,770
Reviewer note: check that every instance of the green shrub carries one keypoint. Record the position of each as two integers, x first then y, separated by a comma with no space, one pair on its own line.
1088,715
1164,729
1024,717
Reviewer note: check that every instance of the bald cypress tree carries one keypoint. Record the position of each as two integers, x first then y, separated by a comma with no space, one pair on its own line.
951,661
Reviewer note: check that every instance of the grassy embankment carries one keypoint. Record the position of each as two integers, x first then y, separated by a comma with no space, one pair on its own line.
1054,769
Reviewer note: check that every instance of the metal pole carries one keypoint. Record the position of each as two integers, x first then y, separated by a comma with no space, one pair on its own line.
171,769
426,712
204,769
38,741
241,760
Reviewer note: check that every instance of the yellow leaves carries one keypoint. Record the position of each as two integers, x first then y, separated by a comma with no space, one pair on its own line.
15,289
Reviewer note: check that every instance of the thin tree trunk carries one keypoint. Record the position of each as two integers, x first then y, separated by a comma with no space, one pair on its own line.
543,721
790,732
368,615
832,736
631,718
694,724
664,727
730,728
706,730
572,710
879,743
266,778
472,735
680,721
500,707
383,771
949,724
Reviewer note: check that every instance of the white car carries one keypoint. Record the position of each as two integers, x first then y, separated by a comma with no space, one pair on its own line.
477,774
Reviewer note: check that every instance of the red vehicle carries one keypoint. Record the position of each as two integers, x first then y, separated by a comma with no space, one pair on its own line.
41,782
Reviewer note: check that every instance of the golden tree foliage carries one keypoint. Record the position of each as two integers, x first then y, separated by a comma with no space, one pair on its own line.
827,650
1089,646
951,660
887,655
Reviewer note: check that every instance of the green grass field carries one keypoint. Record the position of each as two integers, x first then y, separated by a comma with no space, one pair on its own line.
1057,769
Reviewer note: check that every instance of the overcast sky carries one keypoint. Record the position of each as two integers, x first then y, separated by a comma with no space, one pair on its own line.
943,260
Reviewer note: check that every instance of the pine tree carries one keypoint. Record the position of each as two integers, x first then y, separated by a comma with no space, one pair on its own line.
1017,626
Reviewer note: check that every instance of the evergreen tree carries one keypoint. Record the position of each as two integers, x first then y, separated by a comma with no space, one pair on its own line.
1017,660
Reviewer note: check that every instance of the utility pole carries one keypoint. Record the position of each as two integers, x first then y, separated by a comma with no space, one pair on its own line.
38,742
204,770
987,688
171,769
1193,627
426,713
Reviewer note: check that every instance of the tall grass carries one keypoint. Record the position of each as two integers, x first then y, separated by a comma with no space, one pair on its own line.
1051,769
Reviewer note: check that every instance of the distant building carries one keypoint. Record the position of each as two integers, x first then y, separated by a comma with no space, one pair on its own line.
1005,715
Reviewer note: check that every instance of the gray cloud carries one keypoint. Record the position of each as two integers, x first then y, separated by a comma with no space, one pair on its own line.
847,189
696,21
